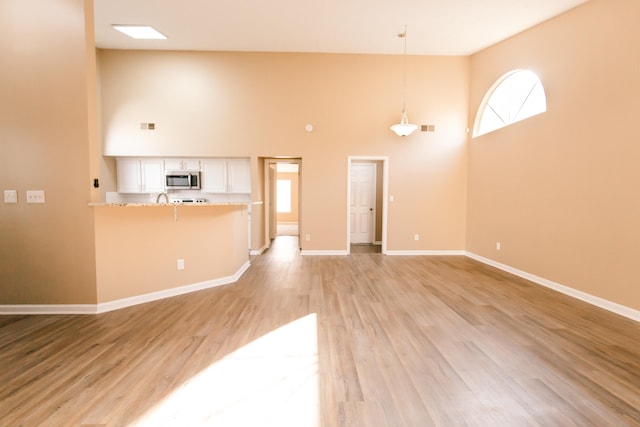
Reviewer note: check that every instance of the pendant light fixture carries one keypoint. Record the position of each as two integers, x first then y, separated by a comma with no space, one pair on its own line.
404,128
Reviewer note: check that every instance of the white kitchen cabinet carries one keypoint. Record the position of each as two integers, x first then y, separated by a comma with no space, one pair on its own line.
152,176
214,176
140,175
226,176
128,175
190,165
239,176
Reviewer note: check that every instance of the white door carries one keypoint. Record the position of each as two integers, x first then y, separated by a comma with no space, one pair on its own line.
363,202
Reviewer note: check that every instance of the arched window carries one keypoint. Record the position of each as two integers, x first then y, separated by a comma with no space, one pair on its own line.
515,96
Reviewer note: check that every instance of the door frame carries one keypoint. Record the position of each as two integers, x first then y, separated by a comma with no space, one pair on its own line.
269,206
385,196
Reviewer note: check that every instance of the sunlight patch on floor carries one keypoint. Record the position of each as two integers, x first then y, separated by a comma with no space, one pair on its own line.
272,381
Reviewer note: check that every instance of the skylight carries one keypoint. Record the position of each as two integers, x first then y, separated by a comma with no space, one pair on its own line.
141,32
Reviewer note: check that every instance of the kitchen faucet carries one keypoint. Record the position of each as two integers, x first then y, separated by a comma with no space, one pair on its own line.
166,197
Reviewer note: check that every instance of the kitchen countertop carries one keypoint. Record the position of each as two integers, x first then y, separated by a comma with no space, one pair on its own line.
151,204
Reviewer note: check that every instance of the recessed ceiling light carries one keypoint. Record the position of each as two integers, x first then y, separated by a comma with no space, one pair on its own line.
140,32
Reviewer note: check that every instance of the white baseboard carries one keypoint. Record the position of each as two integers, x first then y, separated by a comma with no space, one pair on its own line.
320,253
254,252
583,296
154,296
140,299
427,253
408,253
47,309
121,303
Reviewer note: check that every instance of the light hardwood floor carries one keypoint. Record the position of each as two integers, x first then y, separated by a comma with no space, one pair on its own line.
360,340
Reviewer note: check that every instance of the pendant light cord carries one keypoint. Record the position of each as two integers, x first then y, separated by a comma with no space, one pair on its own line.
404,77
404,128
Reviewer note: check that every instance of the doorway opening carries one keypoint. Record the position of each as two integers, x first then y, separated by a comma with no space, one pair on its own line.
282,198
367,204
287,212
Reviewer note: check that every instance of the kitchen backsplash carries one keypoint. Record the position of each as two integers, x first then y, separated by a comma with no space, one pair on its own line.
114,197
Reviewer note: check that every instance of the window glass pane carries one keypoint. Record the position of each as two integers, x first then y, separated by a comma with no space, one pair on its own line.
535,104
490,121
516,96
283,196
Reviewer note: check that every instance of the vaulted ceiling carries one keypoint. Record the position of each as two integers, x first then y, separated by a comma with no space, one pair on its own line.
435,27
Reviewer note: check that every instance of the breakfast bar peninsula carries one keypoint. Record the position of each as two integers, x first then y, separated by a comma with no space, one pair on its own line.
150,251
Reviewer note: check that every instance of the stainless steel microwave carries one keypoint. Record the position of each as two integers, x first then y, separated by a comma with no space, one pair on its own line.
179,180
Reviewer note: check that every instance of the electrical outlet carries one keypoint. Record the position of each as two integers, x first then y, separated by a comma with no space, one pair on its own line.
35,196
10,196
498,246
180,264
416,237
307,237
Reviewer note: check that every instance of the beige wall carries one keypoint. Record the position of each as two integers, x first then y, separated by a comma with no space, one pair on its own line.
258,225
257,104
47,140
560,190
137,248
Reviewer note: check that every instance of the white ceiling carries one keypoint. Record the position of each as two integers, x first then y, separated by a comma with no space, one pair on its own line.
435,27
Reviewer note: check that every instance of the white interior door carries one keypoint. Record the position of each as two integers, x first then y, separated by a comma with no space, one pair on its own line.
363,202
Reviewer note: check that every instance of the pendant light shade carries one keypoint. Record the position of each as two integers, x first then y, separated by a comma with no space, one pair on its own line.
404,128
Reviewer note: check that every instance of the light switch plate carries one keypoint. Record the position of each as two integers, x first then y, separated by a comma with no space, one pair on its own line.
35,196
10,196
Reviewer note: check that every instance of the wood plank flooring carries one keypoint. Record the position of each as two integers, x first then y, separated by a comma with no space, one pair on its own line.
360,340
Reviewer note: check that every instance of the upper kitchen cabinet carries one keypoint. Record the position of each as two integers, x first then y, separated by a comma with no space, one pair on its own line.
187,165
226,176
140,175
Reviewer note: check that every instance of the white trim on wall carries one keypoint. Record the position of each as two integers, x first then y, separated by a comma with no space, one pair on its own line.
338,252
583,296
140,299
168,293
48,309
426,253
254,252
121,303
